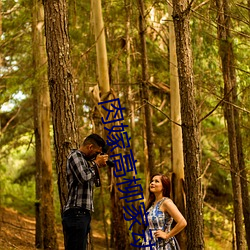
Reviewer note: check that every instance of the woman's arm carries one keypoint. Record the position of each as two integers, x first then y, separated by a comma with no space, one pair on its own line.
169,207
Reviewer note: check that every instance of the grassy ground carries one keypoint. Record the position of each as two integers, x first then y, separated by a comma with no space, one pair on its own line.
18,232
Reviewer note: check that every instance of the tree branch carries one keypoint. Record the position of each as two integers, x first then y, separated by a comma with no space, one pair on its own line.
161,112
10,120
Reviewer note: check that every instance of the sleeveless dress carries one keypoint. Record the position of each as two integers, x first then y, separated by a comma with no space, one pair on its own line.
158,221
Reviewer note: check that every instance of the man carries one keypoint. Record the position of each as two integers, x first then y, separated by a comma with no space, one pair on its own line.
82,172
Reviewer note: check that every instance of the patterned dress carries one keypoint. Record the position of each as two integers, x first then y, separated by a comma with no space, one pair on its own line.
158,221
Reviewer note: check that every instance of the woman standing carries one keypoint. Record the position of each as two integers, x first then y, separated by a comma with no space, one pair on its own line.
161,213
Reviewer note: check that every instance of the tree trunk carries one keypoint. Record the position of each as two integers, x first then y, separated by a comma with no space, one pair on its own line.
243,179
120,235
105,225
1,62
176,132
1,31
130,98
119,239
150,161
189,126
230,93
46,237
37,62
101,51
61,87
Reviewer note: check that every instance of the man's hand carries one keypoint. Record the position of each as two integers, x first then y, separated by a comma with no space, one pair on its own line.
101,160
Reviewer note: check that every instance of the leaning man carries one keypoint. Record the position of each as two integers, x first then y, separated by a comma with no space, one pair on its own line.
82,173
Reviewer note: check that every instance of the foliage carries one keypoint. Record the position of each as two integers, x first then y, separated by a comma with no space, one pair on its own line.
16,140
17,190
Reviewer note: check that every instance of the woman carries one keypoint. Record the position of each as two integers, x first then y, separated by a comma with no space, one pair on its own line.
161,213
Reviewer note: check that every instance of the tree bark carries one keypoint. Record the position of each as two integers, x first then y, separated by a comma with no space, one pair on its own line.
150,161
243,178
101,51
176,131
181,16
1,31
46,237
231,116
119,239
61,87
130,100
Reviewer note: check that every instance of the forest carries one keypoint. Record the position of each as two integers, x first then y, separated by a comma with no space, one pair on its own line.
179,71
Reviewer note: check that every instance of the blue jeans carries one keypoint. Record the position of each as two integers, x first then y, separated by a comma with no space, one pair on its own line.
76,226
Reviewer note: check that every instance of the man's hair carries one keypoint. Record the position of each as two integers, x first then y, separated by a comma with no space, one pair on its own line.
94,139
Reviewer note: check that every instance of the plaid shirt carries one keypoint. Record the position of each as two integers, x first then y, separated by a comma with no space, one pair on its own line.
80,179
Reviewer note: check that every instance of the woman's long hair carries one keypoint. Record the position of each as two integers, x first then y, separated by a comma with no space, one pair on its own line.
166,185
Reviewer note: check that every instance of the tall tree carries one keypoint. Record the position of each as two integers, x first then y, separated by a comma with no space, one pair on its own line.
130,99
150,161
243,178
119,235
181,17
61,87
231,115
102,72
129,94
176,132
46,237
101,51
1,30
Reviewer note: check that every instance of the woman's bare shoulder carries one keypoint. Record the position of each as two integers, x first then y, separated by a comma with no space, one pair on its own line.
168,204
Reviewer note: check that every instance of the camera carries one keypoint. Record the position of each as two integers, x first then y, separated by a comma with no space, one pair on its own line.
109,162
